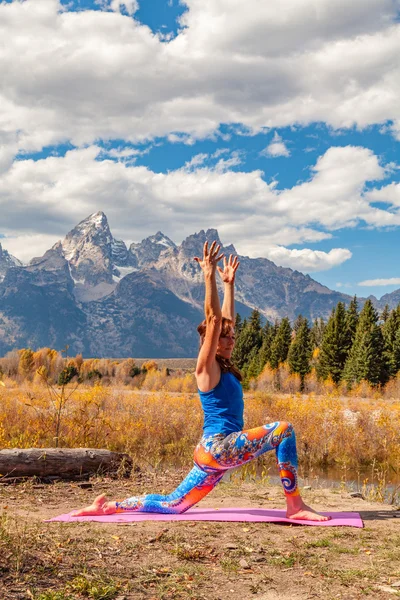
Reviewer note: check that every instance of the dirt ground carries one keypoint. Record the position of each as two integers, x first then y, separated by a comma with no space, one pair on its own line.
191,560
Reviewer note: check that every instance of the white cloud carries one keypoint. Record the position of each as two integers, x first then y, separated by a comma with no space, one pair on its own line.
307,260
388,194
377,282
131,6
335,196
89,75
49,196
195,161
27,246
276,148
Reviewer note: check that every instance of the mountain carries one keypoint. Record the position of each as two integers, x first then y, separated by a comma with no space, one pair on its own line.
6,262
103,299
38,307
149,249
96,260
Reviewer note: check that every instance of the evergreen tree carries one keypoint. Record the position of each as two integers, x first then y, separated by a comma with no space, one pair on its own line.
334,346
366,357
298,323
385,313
281,343
268,335
351,322
238,324
317,332
253,368
395,358
255,321
248,340
259,358
390,328
300,352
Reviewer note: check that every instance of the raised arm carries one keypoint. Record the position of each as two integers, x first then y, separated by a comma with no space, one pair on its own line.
228,277
207,369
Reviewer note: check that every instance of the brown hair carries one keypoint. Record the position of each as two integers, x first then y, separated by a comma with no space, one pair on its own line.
225,363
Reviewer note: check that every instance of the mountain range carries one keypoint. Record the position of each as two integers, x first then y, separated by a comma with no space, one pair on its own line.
103,299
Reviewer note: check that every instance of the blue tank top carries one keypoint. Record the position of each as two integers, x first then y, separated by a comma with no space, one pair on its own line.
223,406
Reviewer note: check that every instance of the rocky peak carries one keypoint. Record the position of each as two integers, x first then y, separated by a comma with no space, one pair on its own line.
91,251
163,240
7,261
148,250
51,269
92,231
120,255
193,244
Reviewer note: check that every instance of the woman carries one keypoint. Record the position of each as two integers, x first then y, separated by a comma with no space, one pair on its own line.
224,444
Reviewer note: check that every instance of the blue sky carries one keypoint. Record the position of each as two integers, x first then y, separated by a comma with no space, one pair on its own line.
280,128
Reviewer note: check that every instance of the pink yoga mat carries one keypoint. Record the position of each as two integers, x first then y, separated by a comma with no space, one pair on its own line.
246,515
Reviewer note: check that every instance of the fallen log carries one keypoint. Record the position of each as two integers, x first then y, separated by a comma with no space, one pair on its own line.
63,463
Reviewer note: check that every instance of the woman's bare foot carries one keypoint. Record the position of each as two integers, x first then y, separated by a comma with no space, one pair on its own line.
300,511
100,506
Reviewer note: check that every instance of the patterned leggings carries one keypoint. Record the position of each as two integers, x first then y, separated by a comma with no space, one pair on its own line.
218,453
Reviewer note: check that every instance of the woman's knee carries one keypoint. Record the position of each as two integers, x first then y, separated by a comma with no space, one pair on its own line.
287,426
281,427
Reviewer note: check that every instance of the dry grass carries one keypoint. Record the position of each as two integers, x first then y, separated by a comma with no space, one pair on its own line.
164,426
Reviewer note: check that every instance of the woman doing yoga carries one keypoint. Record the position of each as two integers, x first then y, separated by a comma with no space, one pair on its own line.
224,444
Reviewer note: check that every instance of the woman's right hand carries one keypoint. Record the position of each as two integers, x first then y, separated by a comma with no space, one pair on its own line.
211,258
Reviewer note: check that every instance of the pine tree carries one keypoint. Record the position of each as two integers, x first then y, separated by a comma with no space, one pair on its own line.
249,340
385,313
366,357
334,346
238,324
351,322
298,323
390,328
281,343
317,332
259,356
395,358
268,335
300,352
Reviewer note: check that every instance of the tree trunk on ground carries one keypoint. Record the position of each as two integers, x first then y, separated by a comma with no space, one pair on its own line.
65,463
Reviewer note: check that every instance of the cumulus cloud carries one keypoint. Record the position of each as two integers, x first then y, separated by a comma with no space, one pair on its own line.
276,148
376,282
307,260
89,75
335,196
49,196
388,194
131,6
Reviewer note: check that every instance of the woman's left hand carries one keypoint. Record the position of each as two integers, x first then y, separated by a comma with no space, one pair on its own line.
229,271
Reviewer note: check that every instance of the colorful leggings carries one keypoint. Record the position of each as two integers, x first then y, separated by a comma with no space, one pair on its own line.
218,453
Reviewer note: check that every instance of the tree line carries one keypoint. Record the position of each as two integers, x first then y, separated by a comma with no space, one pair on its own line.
352,346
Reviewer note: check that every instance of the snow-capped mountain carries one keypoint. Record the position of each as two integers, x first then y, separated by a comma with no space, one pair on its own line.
149,250
7,261
90,291
93,256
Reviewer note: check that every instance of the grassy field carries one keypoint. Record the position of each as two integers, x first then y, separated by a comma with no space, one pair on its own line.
163,426
159,427
192,561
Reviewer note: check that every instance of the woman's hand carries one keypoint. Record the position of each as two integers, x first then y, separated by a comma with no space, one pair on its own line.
210,259
229,271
